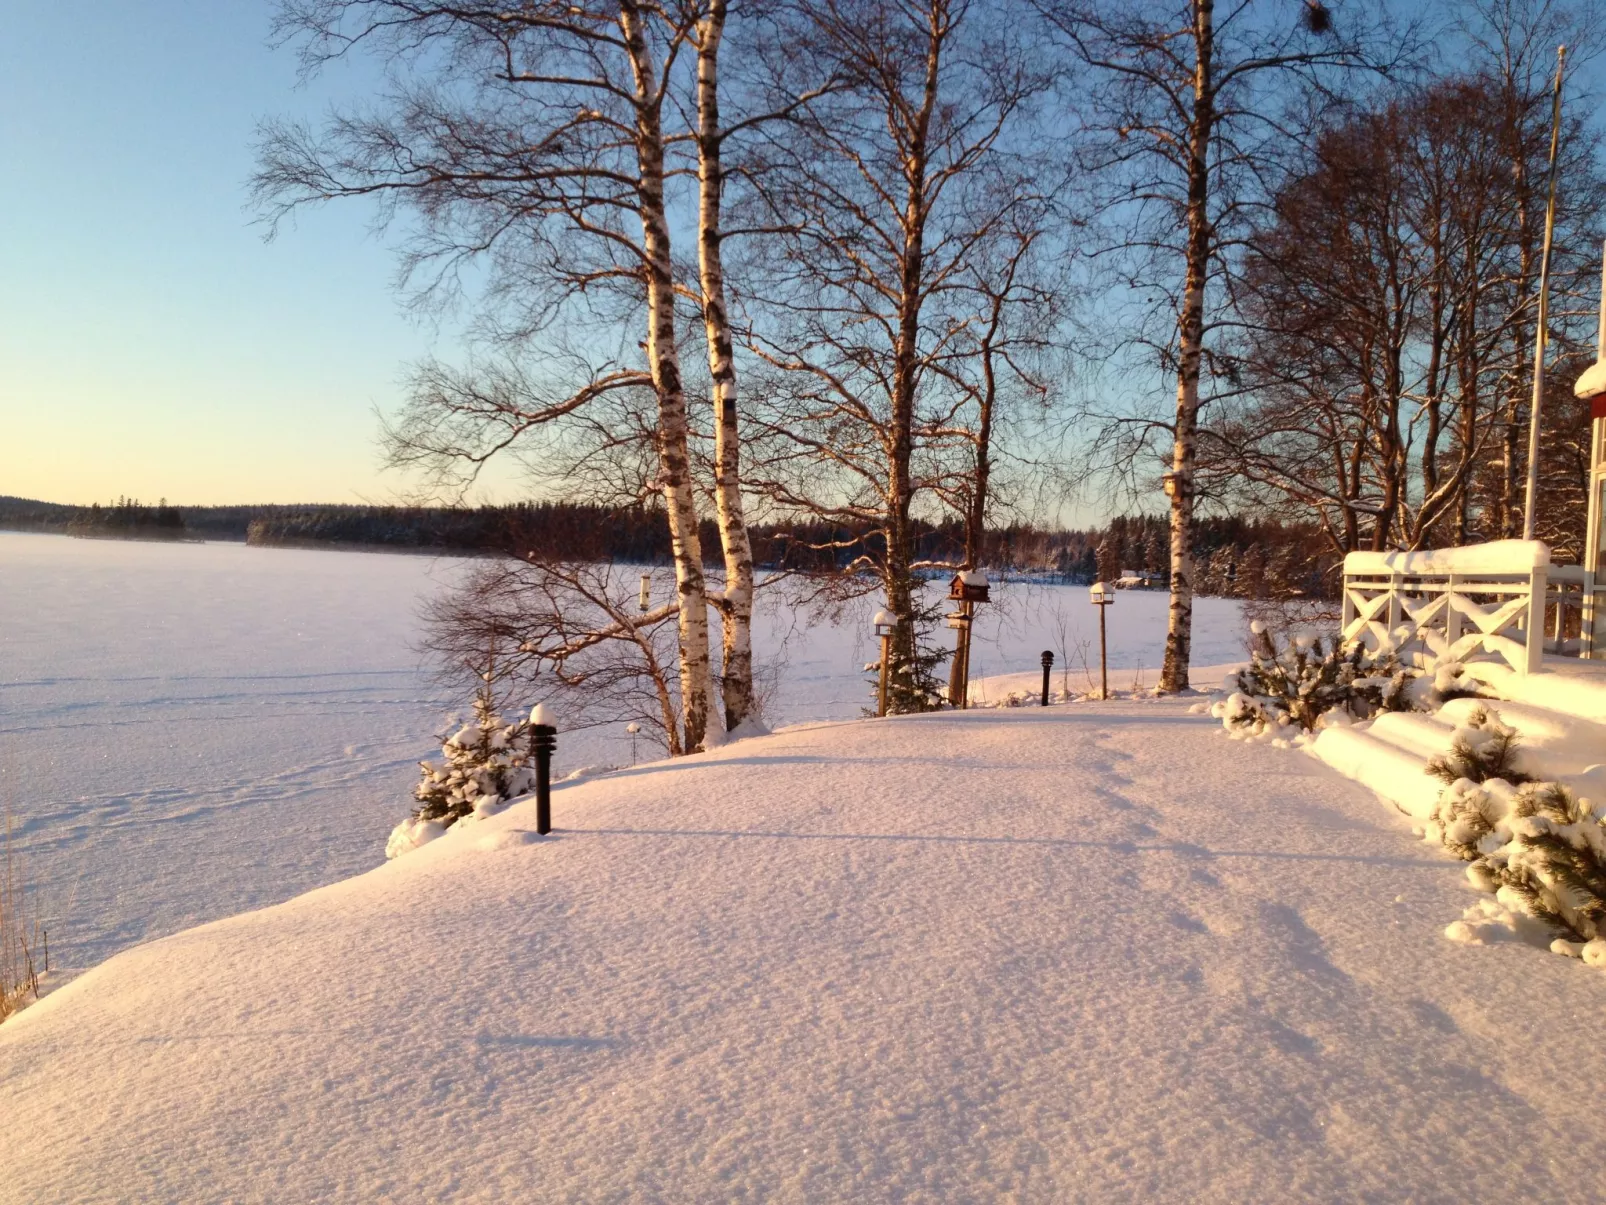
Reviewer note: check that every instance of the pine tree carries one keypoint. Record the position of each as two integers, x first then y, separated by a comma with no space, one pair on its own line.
1483,749
1554,868
912,682
1309,678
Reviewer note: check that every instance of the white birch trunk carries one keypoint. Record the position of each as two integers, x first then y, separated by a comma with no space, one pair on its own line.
1190,348
736,611
674,461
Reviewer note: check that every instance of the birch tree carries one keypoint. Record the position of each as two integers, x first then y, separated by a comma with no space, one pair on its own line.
1181,113
530,139
875,198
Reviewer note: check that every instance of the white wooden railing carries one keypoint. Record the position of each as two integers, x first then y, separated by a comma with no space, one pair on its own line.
1571,599
1479,602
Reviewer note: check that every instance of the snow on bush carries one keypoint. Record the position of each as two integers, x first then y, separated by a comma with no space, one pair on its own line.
1537,849
487,764
1482,749
1286,693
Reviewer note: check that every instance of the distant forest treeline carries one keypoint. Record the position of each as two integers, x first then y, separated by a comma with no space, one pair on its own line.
1237,558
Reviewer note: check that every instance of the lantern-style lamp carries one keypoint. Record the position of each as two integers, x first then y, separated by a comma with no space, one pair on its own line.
1102,597
885,623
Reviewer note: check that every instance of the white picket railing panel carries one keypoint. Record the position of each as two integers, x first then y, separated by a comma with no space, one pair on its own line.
1458,604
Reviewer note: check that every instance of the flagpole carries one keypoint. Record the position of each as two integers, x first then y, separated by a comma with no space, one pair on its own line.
1540,335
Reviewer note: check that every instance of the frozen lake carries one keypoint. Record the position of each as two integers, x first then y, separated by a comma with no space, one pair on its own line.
192,730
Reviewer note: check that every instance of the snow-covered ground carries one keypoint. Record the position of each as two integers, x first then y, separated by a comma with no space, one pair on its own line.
1086,953
188,731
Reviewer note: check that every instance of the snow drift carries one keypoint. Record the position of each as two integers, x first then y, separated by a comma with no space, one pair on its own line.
1090,952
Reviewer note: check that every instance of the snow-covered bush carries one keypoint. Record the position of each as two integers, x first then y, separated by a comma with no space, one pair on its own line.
1308,678
1537,848
912,684
1546,858
1482,749
487,764
1468,813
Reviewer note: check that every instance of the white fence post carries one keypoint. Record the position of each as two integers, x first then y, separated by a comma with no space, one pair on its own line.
1452,611
1537,591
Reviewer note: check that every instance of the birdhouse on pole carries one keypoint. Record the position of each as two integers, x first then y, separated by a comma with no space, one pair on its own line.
969,585
968,588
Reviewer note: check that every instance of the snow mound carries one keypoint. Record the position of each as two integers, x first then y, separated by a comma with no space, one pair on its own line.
1075,953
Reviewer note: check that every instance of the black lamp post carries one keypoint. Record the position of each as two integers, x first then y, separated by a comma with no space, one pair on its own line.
543,741
1048,664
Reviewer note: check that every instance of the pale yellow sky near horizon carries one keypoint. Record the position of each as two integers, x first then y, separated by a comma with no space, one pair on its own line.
151,343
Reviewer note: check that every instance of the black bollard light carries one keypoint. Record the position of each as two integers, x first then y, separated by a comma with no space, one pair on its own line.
1048,664
543,741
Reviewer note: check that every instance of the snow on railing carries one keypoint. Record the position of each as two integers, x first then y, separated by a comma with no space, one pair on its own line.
1458,604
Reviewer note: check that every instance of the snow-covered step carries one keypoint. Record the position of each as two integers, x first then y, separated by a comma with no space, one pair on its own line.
1394,773
1425,736
1566,685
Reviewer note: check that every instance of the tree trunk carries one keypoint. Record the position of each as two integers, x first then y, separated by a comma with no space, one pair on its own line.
736,611
900,435
976,519
674,461
1190,348
976,513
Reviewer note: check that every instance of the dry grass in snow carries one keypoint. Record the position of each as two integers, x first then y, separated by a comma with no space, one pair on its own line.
23,949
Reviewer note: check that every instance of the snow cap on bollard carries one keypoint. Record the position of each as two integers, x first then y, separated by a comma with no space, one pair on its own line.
543,716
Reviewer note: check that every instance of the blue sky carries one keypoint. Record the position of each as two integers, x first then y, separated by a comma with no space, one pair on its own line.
151,344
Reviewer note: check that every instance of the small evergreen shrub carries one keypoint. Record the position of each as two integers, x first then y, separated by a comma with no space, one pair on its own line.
912,682
487,764
1537,848
1294,687
1553,867
1480,750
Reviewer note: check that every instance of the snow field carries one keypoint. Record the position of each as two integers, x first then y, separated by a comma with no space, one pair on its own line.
187,731
1074,954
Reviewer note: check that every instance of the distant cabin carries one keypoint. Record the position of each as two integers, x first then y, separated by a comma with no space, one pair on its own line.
1136,579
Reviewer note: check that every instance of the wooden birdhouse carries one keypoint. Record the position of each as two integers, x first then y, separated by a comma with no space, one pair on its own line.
969,585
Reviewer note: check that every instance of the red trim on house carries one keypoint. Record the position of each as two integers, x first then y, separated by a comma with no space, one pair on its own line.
1597,406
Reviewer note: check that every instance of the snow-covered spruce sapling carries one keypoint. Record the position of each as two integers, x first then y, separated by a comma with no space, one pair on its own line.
486,764
912,682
